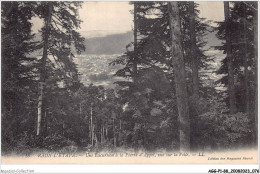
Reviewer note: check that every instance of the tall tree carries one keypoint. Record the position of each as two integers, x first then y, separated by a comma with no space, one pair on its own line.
18,69
155,66
255,42
231,88
180,80
135,44
47,23
245,40
242,17
195,73
242,49
59,35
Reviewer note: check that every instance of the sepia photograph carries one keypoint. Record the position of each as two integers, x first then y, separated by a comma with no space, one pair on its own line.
129,82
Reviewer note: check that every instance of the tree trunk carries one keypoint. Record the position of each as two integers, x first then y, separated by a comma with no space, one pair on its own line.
90,132
39,108
101,134
45,123
135,44
91,125
42,70
96,140
93,134
195,72
245,63
114,133
80,109
179,72
255,22
106,132
231,87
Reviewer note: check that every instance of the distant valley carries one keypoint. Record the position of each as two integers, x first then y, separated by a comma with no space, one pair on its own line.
95,69
103,47
93,64
108,45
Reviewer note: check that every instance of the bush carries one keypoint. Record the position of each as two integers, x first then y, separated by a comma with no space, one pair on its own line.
56,142
218,129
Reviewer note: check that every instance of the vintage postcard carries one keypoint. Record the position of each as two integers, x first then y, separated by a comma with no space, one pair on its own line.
139,82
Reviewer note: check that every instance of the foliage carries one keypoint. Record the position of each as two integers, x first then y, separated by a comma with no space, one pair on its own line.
218,129
238,52
141,111
56,142
18,71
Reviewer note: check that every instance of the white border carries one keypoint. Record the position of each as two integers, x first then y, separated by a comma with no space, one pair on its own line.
167,168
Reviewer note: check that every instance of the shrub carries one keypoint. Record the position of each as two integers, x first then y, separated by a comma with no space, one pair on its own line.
56,142
217,128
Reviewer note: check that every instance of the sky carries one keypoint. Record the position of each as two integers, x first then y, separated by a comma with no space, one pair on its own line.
211,10
106,16
103,18
115,17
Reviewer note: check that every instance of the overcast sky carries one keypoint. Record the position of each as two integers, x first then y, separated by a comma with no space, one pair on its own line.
115,17
106,16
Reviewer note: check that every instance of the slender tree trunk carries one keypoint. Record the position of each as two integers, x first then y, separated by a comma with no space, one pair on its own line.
179,71
255,22
114,132
195,72
43,68
106,131
245,62
39,109
96,140
93,134
91,125
90,132
80,109
231,87
45,123
135,44
101,133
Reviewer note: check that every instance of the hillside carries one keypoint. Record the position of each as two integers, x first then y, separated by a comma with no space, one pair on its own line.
100,51
108,45
103,48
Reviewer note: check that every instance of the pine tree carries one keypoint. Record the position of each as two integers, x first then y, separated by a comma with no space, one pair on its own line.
230,60
47,21
245,62
195,74
18,70
242,36
180,80
58,35
255,41
241,40
135,44
154,60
